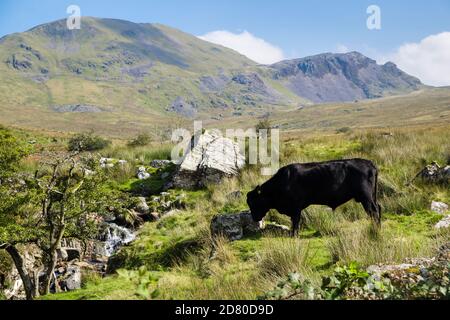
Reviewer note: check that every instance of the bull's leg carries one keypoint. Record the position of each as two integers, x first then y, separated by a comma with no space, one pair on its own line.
296,219
373,210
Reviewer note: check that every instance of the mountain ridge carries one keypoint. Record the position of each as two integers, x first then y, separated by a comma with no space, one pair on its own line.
148,69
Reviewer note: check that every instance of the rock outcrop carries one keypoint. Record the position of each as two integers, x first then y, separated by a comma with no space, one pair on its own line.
434,173
211,158
342,77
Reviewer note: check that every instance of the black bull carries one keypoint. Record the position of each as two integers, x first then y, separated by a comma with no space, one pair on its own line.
297,186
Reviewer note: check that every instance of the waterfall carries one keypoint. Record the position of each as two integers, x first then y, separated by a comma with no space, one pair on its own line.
114,237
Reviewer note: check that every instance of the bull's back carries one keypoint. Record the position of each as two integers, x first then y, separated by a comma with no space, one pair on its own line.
329,183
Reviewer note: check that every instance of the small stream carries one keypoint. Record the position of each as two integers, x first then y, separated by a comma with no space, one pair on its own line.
113,237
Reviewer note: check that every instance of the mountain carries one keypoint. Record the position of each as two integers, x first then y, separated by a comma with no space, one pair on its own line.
115,73
343,77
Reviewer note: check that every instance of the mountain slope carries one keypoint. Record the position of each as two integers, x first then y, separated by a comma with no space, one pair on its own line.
113,63
115,73
343,77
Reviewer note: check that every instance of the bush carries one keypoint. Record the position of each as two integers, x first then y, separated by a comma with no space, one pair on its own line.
263,124
344,130
87,142
141,140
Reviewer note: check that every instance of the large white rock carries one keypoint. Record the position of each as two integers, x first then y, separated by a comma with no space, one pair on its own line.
208,161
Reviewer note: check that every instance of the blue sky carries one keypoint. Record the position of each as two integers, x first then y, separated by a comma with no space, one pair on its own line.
296,27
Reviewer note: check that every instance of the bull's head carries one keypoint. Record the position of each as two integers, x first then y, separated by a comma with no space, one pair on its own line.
258,204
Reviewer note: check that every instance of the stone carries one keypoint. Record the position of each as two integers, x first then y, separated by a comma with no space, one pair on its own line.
171,213
444,223
433,173
142,173
277,228
89,173
439,207
236,195
72,279
159,164
235,226
142,207
106,162
211,158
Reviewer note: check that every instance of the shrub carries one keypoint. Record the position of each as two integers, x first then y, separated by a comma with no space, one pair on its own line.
263,124
87,142
141,140
344,130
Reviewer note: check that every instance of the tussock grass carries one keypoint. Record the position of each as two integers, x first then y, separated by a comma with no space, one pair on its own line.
362,244
193,265
289,255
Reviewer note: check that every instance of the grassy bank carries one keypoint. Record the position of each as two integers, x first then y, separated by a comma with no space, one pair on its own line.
179,259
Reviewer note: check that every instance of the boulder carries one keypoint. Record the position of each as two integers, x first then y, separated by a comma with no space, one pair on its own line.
171,213
444,223
71,279
433,173
159,164
106,162
439,207
235,226
211,158
142,207
236,195
142,173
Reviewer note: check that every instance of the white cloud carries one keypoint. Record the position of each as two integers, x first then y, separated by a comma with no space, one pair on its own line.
252,47
429,60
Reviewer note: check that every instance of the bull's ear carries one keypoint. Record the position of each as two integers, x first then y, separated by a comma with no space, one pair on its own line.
258,189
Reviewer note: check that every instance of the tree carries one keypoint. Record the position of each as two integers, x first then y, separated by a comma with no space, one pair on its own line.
62,199
87,142
11,152
263,124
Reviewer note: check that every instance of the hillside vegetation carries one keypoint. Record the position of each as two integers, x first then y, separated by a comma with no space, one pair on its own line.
176,257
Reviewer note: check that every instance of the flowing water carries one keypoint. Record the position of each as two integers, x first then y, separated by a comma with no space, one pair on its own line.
114,237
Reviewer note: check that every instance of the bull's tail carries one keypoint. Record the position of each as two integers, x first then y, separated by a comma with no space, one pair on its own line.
375,197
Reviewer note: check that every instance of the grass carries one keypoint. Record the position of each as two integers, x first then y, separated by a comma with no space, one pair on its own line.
189,264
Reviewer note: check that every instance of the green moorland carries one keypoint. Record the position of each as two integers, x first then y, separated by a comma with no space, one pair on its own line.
176,257
131,72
